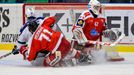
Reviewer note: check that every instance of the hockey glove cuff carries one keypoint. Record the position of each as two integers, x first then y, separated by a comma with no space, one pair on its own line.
23,51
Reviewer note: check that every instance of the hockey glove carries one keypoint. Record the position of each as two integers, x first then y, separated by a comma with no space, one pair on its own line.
84,58
23,51
15,50
112,34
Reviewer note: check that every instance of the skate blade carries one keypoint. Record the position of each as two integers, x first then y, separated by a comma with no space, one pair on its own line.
117,59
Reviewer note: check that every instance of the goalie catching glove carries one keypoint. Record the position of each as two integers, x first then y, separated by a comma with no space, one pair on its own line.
112,34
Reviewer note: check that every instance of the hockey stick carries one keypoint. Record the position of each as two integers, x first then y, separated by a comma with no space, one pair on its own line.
72,15
118,40
108,43
3,56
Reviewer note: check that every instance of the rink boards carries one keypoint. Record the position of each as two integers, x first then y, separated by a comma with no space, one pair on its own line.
116,14
119,48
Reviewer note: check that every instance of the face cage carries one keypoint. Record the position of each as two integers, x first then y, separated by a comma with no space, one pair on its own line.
96,9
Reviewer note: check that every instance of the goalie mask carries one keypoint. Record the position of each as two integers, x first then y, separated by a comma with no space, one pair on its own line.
32,25
95,6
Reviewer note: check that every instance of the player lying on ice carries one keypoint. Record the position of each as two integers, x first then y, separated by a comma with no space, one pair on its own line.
25,34
91,25
48,47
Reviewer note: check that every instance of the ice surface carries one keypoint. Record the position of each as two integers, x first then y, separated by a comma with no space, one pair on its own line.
14,65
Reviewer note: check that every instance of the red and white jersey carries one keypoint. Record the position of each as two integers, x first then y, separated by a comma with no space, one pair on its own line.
44,38
92,27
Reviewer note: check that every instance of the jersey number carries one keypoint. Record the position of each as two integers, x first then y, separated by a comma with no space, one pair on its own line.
44,36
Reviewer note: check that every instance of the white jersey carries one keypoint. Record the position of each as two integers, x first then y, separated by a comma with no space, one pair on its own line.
23,38
25,34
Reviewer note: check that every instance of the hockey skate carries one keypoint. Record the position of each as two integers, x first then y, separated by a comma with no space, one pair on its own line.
114,56
84,59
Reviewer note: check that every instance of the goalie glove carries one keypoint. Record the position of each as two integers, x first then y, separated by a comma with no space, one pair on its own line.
79,35
112,34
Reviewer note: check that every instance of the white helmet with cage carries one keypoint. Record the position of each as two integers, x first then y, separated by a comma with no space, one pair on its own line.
30,12
95,6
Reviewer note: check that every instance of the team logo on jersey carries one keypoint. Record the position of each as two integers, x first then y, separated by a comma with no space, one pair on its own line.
80,22
94,32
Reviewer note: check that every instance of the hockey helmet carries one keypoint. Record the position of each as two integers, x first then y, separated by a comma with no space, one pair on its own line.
95,6
32,25
30,12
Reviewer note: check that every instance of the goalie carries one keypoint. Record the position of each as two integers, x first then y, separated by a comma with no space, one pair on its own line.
91,26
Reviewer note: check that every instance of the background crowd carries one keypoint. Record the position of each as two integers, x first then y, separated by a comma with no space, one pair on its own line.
64,1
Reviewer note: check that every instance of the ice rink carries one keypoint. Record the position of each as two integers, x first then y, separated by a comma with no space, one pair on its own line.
14,65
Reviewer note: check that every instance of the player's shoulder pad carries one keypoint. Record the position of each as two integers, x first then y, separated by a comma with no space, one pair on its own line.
85,14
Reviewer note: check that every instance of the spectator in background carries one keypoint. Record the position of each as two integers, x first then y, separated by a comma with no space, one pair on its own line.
76,1
55,1
132,1
104,1
69,1
3,1
20,1
86,1
119,1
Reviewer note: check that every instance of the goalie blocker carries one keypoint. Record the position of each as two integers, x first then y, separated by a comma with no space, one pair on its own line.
79,35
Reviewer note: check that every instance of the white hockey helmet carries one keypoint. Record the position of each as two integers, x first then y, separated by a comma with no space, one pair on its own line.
30,12
95,6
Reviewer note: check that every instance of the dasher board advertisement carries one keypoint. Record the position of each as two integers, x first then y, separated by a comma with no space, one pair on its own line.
119,16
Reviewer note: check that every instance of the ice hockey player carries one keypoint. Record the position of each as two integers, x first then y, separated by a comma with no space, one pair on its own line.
24,34
48,47
91,25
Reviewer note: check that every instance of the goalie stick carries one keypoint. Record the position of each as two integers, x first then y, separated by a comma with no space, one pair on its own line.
106,43
72,15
